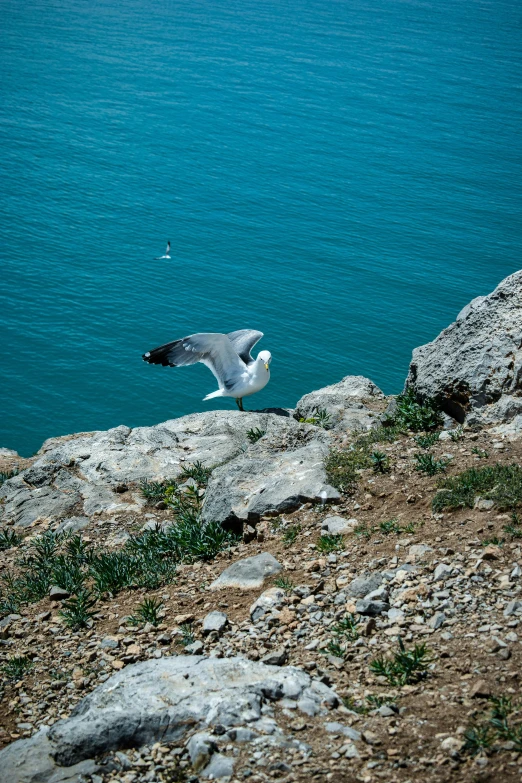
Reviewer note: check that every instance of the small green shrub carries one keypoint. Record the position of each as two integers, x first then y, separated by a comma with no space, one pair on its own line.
391,526
478,739
255,434
319,418
500,483
147,612
380,462
8,539
196,471
347,628
363,530
406,666
415,416
456,434
285,584
290,534
427,441
480,453
155,490
187,634
76,611
334,648
426,463
17,667
330,543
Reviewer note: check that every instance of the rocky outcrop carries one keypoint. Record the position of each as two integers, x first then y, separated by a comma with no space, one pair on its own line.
84,475
474,367
352,404
161,700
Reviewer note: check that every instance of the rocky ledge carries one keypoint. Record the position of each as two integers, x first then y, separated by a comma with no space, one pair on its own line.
343,601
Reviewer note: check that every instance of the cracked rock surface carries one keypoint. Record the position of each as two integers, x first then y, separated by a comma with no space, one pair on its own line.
162,700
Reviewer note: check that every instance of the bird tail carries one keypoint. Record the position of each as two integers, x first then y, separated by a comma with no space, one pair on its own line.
218,393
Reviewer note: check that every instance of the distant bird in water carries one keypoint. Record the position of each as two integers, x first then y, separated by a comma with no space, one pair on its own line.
167,253
226,355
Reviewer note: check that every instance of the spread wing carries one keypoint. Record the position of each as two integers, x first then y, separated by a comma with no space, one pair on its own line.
212,349
243,341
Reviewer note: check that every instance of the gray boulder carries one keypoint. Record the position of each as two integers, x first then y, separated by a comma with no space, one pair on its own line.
361,586
214,621
474,367
159,700
248,573
277,474
335,526
352,404
87,470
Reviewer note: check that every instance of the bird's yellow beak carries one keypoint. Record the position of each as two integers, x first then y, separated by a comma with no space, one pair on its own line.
266,366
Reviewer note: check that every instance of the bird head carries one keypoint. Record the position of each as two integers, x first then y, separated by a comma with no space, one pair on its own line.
266,358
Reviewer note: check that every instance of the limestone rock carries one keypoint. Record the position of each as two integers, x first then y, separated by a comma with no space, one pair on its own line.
248,573
474,367
338,525
267,480
267,601
163,699
215,621
346,402
362,585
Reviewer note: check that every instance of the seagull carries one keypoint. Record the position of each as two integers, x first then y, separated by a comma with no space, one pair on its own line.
167,252
227,356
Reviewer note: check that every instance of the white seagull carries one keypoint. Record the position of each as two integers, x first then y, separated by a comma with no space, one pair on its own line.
226,355
167,253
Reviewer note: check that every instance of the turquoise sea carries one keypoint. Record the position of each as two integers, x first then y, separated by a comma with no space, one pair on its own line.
343,175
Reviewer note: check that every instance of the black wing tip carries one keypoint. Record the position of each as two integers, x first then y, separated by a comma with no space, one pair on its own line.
150,359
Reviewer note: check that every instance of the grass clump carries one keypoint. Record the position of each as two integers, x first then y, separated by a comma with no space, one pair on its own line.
406,666
479,453
290,534
9,539
500,483
255,434
16,667
187,634
147,560
380,462
285,584
501,725
426,463
514,528
427,441
390,526
330,543
456,434
347,628
147,612
415,416
76,611
319,418
5,475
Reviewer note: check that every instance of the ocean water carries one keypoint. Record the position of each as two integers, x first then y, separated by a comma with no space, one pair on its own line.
343,175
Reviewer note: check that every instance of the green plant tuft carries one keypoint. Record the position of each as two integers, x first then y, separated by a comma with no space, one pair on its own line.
5,475
406,666
76,611
147,612
290,534
330,543
500,483
427,441
415,416
319,418
426,463
380,462
255,434
8,539
285,584
16,667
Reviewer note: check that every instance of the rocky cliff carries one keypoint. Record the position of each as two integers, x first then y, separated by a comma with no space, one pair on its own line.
225,595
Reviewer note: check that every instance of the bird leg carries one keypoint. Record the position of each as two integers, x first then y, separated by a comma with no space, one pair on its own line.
239,403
